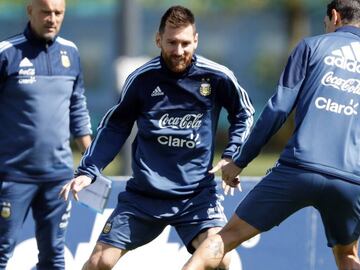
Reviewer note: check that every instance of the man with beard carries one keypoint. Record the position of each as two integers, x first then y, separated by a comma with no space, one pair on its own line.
175,100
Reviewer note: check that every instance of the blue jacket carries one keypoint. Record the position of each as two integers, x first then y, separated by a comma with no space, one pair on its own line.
41,101
177,117
322,80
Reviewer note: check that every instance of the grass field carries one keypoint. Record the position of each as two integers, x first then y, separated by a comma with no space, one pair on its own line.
258,167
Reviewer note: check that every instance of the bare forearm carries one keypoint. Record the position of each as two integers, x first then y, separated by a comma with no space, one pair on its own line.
83,142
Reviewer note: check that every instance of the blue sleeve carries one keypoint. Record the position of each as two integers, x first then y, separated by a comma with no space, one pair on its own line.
113,131
79,115
240,114
278,107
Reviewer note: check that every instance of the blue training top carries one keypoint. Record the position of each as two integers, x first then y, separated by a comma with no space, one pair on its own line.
176,116
322,80
41,101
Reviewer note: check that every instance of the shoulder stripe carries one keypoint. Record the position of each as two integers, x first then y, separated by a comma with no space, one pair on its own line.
11,42
245,100
66,42
153,64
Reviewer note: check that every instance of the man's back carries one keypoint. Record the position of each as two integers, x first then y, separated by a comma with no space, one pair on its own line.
327,130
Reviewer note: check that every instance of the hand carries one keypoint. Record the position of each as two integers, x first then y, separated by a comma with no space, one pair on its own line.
229,173
75,185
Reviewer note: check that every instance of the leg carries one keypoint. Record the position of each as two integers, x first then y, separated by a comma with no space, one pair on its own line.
339,206
211,252
130,225
51,215
225,262
15,201
346,256
275,198
104,257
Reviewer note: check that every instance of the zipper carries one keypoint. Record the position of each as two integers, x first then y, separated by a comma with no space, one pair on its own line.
48,60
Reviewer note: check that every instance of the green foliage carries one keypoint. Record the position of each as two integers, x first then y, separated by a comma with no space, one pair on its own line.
205,6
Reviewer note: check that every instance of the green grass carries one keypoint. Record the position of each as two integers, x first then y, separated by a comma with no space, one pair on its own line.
257,167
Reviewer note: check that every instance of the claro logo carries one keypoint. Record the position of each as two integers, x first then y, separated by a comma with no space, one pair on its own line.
173,141
329,105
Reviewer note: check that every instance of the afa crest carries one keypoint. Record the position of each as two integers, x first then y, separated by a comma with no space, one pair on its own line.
107,228
205,87
65,60
5,210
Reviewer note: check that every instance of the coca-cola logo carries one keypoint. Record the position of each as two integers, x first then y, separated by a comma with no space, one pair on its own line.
346,85
188,121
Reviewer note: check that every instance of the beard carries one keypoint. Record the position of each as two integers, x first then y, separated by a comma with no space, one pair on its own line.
176,63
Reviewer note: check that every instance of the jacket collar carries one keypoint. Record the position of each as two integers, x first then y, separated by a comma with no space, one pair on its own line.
348,28
31,36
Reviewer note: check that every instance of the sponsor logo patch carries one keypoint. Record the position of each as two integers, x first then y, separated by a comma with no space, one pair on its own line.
330,105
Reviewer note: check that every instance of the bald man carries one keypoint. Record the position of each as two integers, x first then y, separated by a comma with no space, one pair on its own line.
42,104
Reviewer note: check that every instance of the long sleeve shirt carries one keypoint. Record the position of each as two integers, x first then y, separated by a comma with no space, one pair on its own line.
42,102
176,117
322,81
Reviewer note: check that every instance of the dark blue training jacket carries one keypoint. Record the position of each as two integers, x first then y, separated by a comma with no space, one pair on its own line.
322,80
41,101
176,116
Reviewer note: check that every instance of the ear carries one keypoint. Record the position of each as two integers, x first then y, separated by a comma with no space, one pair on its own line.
29,10
336,18
158,39
196,40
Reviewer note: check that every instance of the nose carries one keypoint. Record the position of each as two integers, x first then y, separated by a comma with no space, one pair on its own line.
51,18
179,50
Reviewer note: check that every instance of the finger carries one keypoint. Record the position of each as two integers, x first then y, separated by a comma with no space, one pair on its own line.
239,187
231,191
226,190
75,194
64,192
216,168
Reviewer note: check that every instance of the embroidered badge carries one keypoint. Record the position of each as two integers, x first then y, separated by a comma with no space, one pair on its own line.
65,60
205,87
107,228
5,210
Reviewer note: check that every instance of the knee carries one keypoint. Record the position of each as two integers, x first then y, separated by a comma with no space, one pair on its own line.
225,263
98,263
347,257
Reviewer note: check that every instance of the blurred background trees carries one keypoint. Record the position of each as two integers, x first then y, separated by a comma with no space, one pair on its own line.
251,37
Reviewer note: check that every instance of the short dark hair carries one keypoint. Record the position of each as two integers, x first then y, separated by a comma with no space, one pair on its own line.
349,10
177,16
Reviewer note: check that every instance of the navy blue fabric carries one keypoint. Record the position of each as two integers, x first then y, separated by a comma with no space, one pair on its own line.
42,103
138,220
286,190
176,117
50,213
321,80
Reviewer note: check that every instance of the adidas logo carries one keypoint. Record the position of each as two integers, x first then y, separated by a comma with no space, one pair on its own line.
157,92
347,58
25,63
